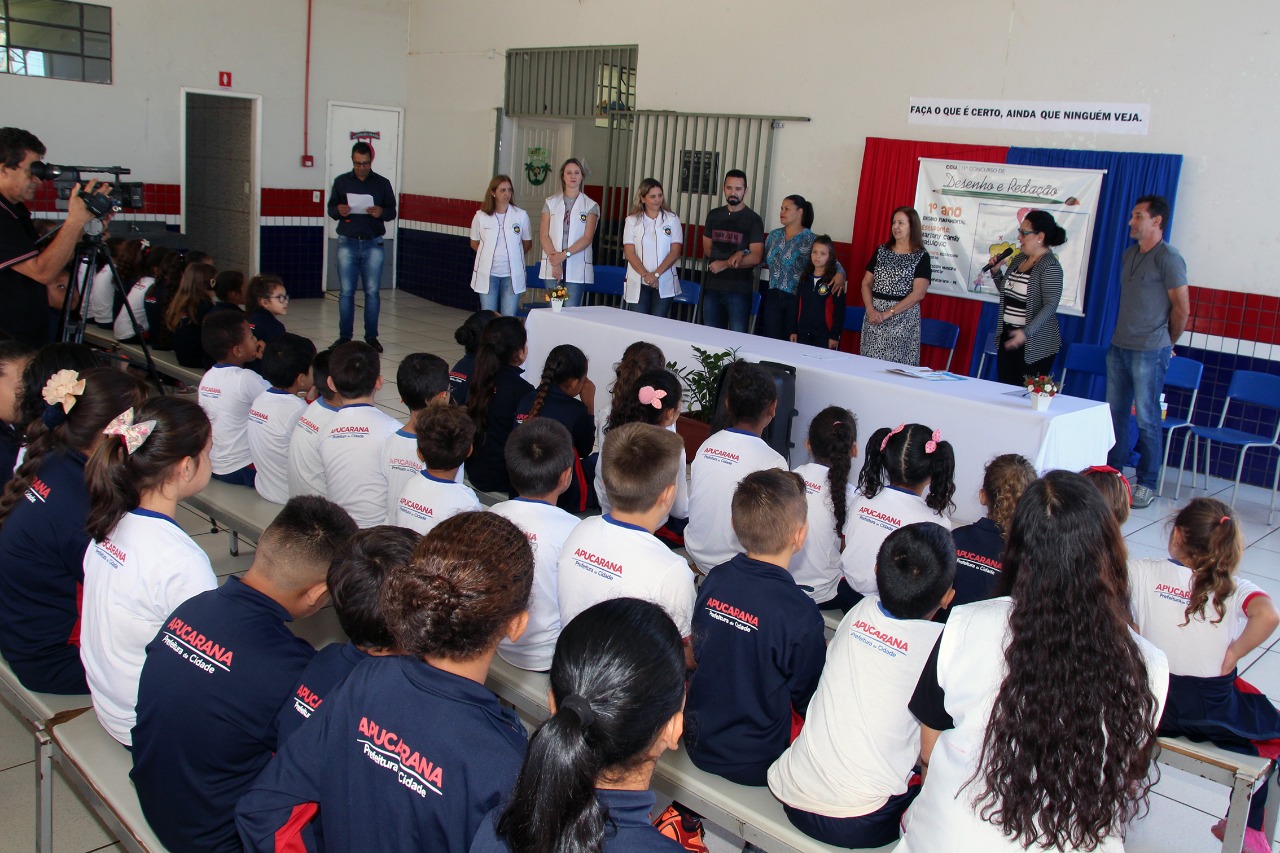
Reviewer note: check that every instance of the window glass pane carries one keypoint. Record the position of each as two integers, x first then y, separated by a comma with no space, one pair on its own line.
97,70
46,12
44,38
97,44
28,62
97,19
64,67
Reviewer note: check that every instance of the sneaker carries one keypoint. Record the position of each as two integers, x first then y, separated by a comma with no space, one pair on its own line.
373,342
1143,497
339,342
683,828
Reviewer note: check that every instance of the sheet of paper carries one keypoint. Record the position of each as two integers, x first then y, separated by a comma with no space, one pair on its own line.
359,202
926,373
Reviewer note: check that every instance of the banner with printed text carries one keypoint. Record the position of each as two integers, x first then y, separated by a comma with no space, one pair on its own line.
971,211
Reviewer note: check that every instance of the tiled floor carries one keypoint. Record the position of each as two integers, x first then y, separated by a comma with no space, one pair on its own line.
1182,808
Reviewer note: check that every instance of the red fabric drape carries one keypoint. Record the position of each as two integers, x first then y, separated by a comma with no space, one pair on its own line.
890,168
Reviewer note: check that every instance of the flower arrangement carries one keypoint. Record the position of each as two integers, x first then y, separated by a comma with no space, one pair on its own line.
1043,385
557,292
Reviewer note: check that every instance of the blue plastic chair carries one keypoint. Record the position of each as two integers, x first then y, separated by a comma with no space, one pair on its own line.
941,334
532,282
685,306
608,284
988,351
854,318
1084,358
1184,375
1252,389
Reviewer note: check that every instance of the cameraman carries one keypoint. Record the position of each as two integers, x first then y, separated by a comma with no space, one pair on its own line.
26,272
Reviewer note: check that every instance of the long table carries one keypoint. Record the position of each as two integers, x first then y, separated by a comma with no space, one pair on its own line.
979,418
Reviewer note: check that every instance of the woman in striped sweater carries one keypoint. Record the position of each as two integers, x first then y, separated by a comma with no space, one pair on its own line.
1027,323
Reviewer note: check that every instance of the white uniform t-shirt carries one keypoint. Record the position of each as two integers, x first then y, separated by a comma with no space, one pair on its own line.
604,558
400,464
351,453
816,567
306,471
719,466
133,580
272,418
870,521
970,669
103,298
226,393
859,743
426,501
1159,591
136,298
547,527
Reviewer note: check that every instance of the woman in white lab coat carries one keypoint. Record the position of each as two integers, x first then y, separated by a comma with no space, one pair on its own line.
651,242
500,237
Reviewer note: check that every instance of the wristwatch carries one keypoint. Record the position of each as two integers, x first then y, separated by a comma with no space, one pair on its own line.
567,254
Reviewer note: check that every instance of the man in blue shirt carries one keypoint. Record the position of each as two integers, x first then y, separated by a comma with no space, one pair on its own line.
361,201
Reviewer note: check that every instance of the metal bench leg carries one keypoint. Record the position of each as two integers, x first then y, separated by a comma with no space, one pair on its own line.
44,792
1273,803
1237,814
235,543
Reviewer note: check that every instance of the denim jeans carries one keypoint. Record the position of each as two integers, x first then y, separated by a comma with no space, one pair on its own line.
650,302
724,310
359,259
501,296
1135,378
576,290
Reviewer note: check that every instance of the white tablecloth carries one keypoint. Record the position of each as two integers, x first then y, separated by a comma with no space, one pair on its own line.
978,417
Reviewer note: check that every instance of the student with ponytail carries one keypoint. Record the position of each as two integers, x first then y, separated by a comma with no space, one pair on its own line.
1194,608
567,395
140,565
640,357
42,537
901,465
493,392
833,442
617,685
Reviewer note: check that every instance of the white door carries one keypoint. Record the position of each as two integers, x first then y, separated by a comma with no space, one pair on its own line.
540,146
381,127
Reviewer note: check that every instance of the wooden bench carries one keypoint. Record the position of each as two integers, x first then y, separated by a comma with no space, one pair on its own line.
238,508
1243,774
166,362
39,711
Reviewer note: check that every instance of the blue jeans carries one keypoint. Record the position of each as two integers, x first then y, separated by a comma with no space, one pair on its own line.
359,259
575,291
650,302
724,310
1135,378
501,296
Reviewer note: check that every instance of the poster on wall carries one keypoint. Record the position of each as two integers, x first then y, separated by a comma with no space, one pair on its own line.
970,211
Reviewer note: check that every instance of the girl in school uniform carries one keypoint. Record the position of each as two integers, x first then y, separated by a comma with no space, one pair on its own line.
268,301
568,226
902,464
980,546
152,266
833,442
42,538
1194,608
186,312
494,391
140,565
567,395
819,319
500,237
652,238
639,357
617,684
412,751
468,337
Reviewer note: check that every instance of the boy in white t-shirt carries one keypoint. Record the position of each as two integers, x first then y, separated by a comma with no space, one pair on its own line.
617,555
724,459
351,450
286,363
306,471
444,437
422,379
226,392
850,774
539,457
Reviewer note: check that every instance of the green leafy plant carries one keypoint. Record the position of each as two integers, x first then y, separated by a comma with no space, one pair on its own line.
700,383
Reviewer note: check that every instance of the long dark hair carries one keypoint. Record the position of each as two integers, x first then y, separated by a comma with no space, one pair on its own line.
626,407
105,392
832,435
500,341
916,232
640,357
564,362
902,456
618,678
48,361
1212,544
1069,743
117,479
829,273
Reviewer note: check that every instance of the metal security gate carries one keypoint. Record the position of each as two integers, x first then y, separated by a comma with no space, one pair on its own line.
570,82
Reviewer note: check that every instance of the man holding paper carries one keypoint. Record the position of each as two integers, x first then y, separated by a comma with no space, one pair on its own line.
361,201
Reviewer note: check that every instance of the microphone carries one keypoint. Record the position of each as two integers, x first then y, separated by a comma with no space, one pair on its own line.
1000,257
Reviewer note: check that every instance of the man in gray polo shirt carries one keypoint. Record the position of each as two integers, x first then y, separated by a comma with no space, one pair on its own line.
1153,313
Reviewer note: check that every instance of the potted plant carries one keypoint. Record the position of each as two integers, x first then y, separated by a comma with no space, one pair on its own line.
1042,389
700,385
556,296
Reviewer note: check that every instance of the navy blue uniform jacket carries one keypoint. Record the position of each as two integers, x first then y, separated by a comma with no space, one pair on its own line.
329,668
629,828
979,554
487,466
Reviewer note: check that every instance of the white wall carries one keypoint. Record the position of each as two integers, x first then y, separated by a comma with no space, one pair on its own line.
1209,71
358,54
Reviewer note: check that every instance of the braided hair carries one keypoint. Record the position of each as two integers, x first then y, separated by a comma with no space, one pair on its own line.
564,363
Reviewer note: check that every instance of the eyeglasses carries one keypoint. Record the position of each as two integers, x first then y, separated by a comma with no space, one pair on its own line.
1026,233
280,297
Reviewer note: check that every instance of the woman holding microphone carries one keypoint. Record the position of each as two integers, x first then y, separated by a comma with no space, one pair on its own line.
651,242
500,237
1027,322
568,226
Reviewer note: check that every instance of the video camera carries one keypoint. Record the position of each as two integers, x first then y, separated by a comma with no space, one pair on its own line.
123,196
